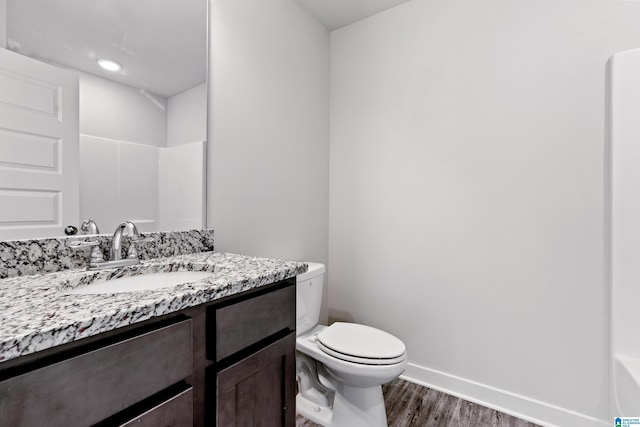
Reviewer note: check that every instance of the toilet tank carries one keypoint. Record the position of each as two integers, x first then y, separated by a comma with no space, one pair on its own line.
309,297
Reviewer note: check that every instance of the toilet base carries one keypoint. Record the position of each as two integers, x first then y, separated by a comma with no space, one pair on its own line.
352,407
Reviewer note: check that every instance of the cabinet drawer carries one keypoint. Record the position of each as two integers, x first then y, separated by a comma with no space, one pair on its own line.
241,324
175,412
89,387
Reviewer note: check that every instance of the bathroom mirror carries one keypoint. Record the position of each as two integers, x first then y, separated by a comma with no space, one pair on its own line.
143,127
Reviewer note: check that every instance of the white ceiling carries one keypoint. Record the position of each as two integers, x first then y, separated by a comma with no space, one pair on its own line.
335,14
161,44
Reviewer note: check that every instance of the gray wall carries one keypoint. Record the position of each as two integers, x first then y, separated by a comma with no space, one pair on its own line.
268,130
3,23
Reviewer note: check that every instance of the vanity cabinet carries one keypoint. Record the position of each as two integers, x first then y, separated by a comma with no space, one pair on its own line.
228,362
254,349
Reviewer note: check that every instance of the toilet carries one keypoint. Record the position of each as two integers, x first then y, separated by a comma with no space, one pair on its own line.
341,368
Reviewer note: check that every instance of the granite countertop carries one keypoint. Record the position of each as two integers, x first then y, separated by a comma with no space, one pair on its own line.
37,313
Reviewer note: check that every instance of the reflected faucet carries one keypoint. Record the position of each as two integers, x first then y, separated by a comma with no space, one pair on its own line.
89,226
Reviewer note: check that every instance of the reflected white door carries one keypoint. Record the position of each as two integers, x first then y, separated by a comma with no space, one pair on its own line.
39,189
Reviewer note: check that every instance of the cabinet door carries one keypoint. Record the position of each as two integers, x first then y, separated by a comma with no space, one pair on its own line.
259,390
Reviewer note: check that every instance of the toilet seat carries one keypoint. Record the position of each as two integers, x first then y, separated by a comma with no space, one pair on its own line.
361,344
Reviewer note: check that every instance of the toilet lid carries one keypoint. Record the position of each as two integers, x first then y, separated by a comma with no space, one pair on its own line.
361,344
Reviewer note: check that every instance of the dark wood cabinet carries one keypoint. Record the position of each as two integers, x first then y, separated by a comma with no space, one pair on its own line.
88,386
255,391
176,411
230,362
236,325
252,342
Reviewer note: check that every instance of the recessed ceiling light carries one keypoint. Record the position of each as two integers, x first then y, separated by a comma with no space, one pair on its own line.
109,65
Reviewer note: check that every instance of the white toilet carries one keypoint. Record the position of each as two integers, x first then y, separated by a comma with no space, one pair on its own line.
341,368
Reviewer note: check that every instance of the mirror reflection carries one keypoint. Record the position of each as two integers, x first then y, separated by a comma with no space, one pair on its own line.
142,118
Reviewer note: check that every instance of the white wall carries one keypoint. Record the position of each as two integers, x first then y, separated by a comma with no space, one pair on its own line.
466,195
268,134
122,113
187,116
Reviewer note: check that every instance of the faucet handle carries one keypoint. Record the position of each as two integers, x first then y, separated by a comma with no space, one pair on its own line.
96,253
141,239
133,250
79,244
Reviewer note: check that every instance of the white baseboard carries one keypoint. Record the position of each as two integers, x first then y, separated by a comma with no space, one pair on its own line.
509,403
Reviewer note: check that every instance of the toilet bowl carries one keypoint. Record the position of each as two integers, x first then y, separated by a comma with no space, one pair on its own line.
341,368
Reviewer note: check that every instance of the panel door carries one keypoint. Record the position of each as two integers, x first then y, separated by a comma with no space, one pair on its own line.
39,189
259,390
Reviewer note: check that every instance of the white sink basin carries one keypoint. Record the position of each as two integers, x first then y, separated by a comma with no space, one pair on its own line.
142,282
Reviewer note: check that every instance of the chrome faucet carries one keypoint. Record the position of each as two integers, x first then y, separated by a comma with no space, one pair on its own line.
123,229
115,253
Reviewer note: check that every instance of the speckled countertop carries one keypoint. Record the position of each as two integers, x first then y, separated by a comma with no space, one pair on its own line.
36,312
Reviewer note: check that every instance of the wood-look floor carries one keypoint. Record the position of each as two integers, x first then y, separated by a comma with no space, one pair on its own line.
412,405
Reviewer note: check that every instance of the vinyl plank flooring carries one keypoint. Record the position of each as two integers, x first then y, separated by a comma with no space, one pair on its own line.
412,405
